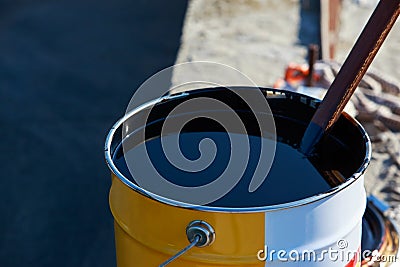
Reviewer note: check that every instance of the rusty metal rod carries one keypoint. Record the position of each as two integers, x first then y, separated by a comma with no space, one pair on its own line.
313,51
350,74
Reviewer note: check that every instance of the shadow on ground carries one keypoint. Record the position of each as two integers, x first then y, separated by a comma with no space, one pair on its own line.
309,26
67,71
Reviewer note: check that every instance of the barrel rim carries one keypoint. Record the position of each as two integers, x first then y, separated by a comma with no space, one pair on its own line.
288,205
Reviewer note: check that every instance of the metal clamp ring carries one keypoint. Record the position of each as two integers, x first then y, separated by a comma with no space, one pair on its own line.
202,229
199,233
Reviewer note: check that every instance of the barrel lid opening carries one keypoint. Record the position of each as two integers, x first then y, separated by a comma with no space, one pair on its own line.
347,136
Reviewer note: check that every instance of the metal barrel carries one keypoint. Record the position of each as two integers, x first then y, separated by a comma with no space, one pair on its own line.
320,230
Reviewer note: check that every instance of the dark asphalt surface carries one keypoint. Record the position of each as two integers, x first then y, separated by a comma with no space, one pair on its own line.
67,71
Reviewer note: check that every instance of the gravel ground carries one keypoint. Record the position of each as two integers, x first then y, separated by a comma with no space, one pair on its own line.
256,37
353,19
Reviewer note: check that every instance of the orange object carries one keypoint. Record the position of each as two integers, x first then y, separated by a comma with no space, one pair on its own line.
295,75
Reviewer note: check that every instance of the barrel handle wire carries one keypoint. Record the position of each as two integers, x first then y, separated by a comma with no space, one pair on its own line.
183,251
199,233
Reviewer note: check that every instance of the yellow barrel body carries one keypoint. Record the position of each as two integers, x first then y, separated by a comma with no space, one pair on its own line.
148,232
